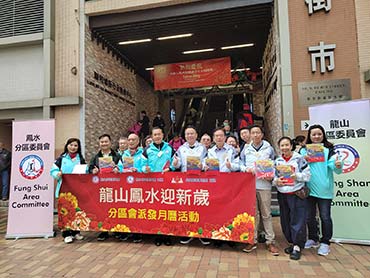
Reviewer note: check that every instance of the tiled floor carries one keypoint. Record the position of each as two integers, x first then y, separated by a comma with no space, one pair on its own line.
89,258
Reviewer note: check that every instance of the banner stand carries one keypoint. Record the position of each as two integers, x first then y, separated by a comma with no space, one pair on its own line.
20,236
347,125
31,191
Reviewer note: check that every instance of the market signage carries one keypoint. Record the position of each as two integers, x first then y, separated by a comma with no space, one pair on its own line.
192,74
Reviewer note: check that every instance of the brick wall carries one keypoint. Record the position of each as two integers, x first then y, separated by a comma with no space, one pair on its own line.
109,109
271,89
338,26
363,35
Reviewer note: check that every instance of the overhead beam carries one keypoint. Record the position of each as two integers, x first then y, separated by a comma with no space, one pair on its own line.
170,11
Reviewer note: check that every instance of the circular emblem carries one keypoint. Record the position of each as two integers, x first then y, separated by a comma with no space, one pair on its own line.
31,167
350,157
130,179
95,179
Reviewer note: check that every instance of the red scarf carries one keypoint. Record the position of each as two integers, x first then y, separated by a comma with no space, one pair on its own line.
72,155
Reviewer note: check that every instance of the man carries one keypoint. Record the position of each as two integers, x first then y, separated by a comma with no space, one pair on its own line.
97,164
227,159
5,160
144,132
245,137
206,141
224,153
122,145
227,128
194,149
157,157
260,150
158,121
133,153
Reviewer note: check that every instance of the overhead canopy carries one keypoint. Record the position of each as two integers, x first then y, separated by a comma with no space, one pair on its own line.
214,24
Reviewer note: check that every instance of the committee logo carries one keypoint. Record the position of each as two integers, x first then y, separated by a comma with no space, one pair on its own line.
95,179
31,167
130,179
350,157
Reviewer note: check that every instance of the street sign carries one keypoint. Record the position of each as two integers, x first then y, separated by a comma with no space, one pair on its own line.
305,124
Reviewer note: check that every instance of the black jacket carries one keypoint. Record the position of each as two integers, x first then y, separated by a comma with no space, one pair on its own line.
94,162
5,159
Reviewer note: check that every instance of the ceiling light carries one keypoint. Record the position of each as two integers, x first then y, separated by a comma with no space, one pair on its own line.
243,69
237,46
198,51
174,37
149,68
134,41
261,68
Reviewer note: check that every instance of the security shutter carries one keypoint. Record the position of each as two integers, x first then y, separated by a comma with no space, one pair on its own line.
21,17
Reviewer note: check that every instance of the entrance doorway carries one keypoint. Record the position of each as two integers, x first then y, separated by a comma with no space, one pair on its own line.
226,28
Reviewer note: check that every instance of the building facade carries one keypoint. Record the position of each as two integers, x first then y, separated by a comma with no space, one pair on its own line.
315,53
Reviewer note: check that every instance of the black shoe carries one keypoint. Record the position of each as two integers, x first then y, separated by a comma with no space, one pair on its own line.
102,236
261,238
167,241
137,238
123,237
288,250
218,243
158,241
232,244
295,255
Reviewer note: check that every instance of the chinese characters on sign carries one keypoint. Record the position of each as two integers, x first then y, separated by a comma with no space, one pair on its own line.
33,145
168,196
318,92
316,5
341,130
322,52
152,214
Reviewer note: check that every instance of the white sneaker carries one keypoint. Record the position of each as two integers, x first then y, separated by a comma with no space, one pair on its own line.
311,244
79,237
186,240
324,249
68,239
204,241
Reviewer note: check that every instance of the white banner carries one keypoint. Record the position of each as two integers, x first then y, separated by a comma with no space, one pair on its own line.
31,201
347,124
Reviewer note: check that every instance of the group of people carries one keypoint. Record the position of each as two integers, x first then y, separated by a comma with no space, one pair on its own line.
142,127
298,205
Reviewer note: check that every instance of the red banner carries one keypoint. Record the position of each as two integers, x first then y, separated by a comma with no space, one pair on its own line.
192,74
207,205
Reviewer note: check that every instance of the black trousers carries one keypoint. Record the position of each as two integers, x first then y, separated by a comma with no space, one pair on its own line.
293,211
69,233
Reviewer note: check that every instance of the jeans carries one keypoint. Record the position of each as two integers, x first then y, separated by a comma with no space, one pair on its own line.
5,182
324,206
293,218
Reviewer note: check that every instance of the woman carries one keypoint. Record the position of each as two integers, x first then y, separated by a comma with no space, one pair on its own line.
321,187
147,141
292,171
232,141
64,164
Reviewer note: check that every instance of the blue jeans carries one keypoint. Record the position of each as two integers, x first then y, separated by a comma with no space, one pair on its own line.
5,182
324,206
293,218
